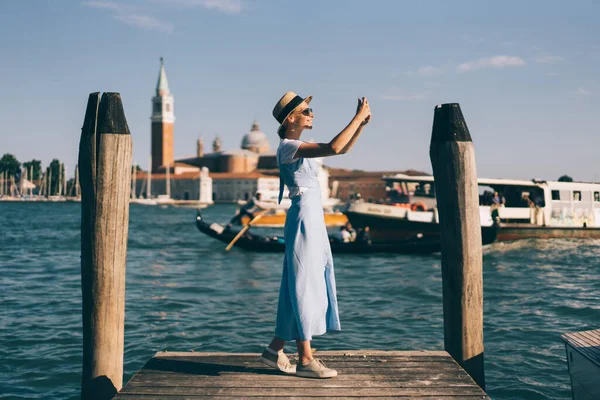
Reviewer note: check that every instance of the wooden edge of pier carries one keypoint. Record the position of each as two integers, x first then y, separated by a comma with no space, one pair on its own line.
362,374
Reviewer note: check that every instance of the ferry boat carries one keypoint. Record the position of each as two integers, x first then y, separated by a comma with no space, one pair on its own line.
525,209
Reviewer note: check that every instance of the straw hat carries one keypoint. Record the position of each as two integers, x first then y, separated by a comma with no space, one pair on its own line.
286,105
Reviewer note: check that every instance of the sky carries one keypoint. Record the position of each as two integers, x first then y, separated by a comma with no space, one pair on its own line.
525,73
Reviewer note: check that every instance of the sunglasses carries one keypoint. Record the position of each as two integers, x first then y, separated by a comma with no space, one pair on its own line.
306,111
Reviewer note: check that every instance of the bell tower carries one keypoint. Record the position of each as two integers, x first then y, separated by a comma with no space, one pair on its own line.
163,119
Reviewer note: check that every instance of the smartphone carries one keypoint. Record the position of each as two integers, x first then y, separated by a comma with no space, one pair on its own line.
360,101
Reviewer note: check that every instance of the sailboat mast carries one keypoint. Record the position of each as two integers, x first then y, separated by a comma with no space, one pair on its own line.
64,181
23,179
59,179
149,194
49,181
77,181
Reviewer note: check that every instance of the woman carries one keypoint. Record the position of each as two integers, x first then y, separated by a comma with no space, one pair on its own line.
307,298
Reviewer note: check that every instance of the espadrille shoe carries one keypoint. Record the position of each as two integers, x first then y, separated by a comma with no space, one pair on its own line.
277,360
315,369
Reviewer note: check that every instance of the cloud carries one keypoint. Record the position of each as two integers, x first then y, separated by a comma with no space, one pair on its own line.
491,62
132,16
105,4
228,6
549,59
144,21
583,92
430,71
407,97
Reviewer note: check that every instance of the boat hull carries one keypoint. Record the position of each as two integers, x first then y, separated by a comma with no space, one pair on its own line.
389,227
509,232
393,228
274,244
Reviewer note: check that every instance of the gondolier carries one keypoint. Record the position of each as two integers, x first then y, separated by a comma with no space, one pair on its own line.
248,209
307,298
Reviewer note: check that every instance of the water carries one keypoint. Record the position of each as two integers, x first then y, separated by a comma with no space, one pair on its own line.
185,293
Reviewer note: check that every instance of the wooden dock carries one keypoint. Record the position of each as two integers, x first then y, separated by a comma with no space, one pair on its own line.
362,374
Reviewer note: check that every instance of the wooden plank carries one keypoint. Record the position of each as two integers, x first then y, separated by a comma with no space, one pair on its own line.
337,364
589,337
358,381
595,333
255,358
276,376
588,340
592,334
301,391
331,353
186,397
427,376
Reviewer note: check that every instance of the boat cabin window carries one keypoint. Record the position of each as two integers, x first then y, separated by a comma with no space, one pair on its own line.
576,195
510,196
555,195
596,196
405,192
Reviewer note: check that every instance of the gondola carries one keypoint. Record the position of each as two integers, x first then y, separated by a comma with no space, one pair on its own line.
276,244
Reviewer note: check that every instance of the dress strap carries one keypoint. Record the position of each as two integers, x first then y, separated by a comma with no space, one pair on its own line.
280,189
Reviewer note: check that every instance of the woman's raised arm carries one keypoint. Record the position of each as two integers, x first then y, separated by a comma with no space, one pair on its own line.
343,141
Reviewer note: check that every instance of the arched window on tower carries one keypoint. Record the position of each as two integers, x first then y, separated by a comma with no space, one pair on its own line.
168,107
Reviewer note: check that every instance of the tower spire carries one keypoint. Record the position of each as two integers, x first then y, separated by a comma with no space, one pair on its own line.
163,118
162,86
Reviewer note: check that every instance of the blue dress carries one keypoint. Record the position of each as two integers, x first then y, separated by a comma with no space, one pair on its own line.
307,297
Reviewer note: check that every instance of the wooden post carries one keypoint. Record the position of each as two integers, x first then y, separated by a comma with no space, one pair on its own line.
104,173
453,161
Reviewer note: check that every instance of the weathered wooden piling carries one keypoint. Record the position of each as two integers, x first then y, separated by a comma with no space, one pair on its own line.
453,160
104,168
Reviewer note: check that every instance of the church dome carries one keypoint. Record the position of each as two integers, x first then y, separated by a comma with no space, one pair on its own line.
255,140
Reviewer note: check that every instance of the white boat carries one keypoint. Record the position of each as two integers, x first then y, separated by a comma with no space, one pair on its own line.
560,209
144,201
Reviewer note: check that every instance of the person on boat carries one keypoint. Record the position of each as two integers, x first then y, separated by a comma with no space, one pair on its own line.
249,209
538,209
307,298
498,201
342,236
364,236
351,232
